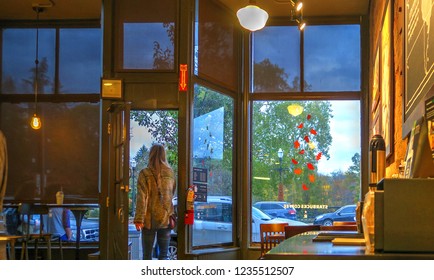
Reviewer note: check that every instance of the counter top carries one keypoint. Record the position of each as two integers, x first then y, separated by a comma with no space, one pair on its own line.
303,247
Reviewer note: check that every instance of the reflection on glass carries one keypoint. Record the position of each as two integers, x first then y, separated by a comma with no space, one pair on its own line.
332,57
80,60
276,59
18,60
149,46
213,158
63,153
215,44
319,168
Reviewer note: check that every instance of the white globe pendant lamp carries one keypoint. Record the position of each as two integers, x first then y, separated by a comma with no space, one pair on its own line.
252,17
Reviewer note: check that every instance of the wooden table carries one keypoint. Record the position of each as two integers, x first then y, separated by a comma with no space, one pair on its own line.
302,247
3,242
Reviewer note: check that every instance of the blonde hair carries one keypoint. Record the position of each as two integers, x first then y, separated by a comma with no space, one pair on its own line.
157,158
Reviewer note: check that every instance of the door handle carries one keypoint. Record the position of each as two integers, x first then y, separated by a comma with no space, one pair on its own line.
121,215
125,188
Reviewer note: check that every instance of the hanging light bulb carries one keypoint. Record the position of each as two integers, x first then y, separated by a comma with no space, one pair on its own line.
35,122
252,17
295,109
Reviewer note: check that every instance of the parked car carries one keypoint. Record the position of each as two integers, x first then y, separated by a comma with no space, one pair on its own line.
278,209
259,217
346,213
213,223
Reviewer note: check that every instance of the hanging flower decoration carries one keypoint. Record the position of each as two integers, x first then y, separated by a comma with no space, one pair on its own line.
310,166
298,171
299,145
311,178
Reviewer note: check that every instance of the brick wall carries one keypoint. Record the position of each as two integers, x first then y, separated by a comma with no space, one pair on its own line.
377,9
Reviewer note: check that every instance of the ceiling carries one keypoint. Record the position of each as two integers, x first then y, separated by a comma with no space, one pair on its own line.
91,9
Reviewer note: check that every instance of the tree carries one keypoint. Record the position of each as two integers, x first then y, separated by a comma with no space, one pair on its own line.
304,139
270,77
352,179
164,58
9,85
43,78
163,127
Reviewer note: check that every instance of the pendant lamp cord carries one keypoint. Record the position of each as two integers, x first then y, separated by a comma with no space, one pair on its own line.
36,59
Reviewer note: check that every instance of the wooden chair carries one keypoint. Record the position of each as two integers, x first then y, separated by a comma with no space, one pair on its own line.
271,235
291,231
338,223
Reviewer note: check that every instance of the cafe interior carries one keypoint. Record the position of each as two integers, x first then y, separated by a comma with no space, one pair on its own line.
86,83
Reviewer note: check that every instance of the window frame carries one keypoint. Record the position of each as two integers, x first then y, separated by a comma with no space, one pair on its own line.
252,96
55,96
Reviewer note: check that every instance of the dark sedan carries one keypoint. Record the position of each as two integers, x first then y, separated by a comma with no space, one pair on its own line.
346,213
277,209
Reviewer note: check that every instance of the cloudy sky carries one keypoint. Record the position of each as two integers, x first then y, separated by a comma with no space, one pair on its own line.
345,130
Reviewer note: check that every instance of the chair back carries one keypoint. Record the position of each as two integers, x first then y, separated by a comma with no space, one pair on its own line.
339,223
271,235
291,231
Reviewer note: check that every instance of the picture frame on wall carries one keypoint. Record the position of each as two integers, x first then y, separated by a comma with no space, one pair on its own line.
386,80
418,59
376,81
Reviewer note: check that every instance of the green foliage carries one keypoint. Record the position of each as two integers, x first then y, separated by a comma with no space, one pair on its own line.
163,127
274,128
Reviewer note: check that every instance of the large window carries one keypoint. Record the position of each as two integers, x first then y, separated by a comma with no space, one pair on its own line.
64,153
79,65
42,162
329,64
305,147
213,160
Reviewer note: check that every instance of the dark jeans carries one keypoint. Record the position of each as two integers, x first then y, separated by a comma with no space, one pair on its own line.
163,240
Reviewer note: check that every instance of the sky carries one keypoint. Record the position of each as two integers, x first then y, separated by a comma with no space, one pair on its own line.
345,130
139,137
